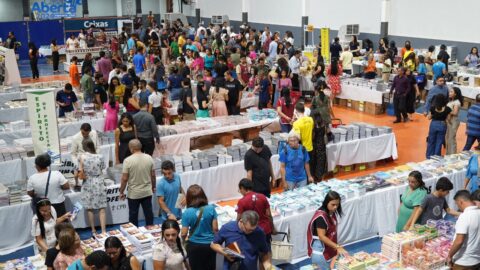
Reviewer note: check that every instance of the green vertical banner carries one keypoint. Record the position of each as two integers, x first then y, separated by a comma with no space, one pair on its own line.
43,122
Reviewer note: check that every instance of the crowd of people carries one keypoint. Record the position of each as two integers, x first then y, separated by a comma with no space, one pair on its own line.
145,72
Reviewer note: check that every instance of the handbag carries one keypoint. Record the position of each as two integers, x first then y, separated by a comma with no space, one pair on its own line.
195,226
36,198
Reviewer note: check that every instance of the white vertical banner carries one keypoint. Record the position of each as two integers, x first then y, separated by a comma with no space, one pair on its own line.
43,121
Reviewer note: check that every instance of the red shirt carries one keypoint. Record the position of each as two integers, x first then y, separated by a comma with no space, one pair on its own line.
258,203
288,111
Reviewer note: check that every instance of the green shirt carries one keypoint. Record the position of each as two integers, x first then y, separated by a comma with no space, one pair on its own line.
410,200
86,84
175,49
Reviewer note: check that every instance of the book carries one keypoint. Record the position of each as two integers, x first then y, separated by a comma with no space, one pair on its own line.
234,250
178,203
77,207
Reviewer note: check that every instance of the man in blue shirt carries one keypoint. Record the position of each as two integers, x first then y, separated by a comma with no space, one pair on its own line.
66,100
439,69
473,124
131,43
249,238
139,62
294,163
439,88
168,189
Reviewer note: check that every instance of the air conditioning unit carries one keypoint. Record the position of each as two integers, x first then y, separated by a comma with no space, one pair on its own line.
220,19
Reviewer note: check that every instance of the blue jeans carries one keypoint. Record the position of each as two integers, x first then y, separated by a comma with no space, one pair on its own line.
285,127
175,93
134,207
436,137
276,95
317,255
294,185
470,141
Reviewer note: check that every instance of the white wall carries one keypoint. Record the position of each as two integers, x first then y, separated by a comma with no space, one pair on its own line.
102,8
436,19
334,14
11,10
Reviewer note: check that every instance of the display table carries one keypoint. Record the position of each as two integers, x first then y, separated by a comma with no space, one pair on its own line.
373,214
180,143
45,50
64,130
361,93
358,65
8,96
14,114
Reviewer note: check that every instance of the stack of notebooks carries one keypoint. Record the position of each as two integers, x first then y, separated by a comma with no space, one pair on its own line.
16,194
4,195
26,143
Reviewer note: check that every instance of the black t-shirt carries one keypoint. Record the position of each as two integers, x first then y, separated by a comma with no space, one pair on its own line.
220,69
201,96
440,116
233,88
185,72
164,39
50,257
154,36
187,93
99,90
319,224
260,166
335,50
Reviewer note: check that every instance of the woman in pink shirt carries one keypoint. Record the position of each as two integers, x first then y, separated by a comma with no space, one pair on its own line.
111,117
198,65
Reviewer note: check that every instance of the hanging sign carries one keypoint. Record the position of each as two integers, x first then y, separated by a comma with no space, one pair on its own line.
43,121
55,9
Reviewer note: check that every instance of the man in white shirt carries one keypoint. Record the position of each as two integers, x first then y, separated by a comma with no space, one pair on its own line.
116,72
77,148
294,63
465,251
346,58
272,51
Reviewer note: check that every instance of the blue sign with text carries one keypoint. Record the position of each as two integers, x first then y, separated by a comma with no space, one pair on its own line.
55,9
74,25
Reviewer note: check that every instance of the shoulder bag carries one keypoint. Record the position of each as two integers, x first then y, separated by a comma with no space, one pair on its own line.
194,228
37,198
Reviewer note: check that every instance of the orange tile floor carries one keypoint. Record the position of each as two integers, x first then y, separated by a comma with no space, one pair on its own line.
411,140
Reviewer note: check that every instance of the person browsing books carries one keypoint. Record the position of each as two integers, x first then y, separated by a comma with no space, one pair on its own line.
169,188
247,238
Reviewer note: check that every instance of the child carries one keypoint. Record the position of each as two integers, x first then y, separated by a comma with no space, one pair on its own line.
262,89
252,80
252,54
433,204
74,75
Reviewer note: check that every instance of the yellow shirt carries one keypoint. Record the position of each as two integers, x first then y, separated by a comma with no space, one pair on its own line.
304,127
181,42
119,92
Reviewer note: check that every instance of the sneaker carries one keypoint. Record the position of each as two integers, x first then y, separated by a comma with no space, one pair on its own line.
397,121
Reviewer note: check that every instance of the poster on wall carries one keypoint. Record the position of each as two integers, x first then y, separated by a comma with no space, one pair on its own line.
77,24
54,9
43,121
325,38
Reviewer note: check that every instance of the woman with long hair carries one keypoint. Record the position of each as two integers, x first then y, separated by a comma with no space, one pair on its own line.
322,103
455,103
55,55
411,200
124,133
318,162
43,225
111,118
472,59
94,195
322,232
334,71
33,56
199,224
439,114
116,89
120,260
285,109
168,254
354,46
219,98
129,102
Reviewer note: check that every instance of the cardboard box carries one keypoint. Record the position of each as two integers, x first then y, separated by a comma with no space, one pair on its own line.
355,105
342,102
373,108
476,82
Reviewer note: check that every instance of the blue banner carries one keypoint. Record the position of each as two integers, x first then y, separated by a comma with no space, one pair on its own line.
75,25
55,9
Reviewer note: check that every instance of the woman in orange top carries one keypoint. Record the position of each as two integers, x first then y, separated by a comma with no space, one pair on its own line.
370,70
74,75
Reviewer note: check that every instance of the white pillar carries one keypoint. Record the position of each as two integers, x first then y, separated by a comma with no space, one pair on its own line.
119,8
385,15
244,5
304,8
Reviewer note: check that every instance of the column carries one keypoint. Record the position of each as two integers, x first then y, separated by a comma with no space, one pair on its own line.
197,13
244,12
304,23
119,8
385,17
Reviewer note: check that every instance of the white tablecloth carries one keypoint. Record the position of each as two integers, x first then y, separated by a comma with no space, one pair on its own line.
47,51
370,215
358,65
14,114
361,93
64,130
180,143
5,97
362,151
467,91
